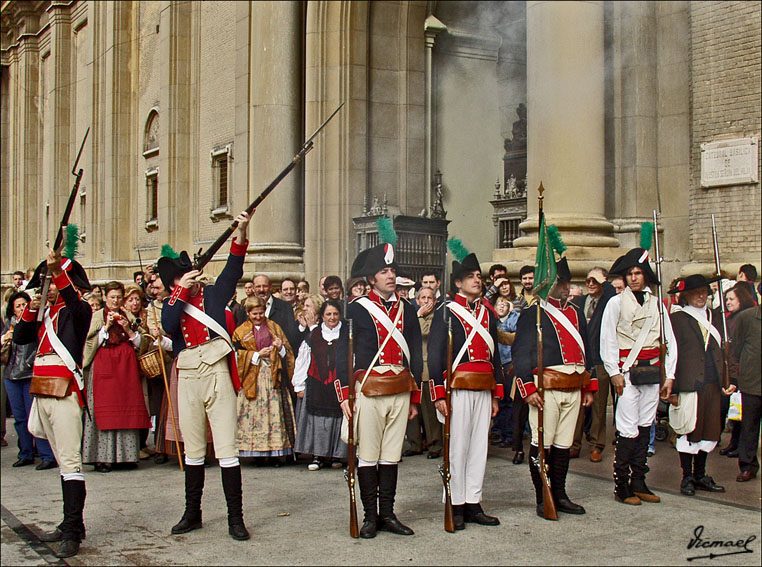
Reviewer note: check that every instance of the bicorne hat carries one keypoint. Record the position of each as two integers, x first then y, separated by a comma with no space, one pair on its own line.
73,269
172,265
637,257
563,273
372,260
695,281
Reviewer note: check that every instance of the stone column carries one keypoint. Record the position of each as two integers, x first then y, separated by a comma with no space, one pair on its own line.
432,27
275,134
565,108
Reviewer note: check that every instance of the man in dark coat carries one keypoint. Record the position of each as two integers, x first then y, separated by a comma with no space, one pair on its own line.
745,348
599,291
698,334
279,312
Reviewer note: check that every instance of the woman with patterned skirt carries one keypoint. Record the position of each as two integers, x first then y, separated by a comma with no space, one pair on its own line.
265,363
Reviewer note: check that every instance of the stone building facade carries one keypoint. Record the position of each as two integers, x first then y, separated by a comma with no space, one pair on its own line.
194,107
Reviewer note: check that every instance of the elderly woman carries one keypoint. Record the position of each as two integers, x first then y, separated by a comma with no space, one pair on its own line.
317,408
114,390
18,379
265,362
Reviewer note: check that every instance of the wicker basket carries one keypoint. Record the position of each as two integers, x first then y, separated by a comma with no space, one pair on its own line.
150,363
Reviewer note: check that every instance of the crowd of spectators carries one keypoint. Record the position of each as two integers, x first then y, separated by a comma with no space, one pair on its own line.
286,341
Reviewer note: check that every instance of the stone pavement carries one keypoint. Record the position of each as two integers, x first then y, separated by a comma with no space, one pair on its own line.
300,517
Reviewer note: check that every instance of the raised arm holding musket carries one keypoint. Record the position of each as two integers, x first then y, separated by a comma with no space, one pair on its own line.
388,366
476,384
194,317
57,382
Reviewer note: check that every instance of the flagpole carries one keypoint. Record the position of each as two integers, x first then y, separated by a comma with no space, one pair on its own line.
549,508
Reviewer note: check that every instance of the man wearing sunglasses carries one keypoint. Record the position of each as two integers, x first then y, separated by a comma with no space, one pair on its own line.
599,291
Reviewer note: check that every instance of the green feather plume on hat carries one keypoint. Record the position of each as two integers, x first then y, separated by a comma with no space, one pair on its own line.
458,249
386,232
72,241
646,235
168,252
554,236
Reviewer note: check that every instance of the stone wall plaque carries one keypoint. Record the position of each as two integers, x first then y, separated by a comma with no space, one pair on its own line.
729,162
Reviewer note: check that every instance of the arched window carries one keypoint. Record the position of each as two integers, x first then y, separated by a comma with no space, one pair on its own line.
151,154
151,136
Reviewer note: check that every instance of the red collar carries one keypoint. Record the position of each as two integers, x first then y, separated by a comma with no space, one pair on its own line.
375,298
461,299
557,303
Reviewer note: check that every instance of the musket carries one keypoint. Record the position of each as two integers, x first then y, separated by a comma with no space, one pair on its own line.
725,338
549,505
64,222
202,259
349,473
444,468
660,297
164,376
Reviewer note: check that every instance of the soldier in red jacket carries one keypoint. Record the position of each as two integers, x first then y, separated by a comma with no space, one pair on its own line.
195,318
57,384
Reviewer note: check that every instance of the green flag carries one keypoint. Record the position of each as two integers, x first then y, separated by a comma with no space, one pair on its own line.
544,264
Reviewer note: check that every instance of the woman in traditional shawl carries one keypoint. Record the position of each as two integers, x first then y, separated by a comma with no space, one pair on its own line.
114,389
318,410
266,363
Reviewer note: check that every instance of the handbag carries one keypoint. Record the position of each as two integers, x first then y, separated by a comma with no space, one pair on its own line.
5,352
735,411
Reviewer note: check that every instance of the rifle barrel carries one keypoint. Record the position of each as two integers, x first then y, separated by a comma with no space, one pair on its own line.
203,259
725,338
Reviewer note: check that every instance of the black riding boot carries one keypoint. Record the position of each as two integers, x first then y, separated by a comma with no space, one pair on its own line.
640,466
457,516
231,485
559,468
623,456
194,489
74,493
387,489
367,478
534,471
57,534
700,478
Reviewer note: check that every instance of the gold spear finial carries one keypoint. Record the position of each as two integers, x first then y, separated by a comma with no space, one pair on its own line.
540,190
